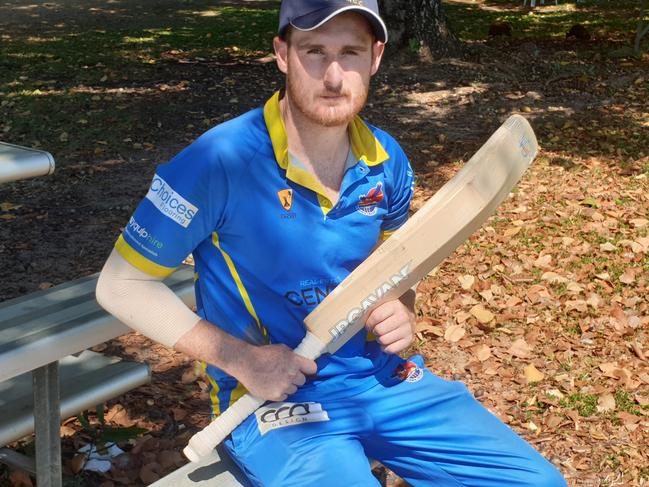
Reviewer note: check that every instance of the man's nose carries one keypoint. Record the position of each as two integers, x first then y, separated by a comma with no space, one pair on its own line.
333,77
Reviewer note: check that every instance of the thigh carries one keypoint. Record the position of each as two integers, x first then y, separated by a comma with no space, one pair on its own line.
301,444
434,432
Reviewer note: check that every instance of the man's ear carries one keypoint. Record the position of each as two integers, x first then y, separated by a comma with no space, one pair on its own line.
281,53
378,48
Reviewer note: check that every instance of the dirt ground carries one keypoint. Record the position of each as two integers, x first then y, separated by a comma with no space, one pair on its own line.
64,225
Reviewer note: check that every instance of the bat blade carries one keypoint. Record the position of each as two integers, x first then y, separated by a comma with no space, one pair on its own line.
446,220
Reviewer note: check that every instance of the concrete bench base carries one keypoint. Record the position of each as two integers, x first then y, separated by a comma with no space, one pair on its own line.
215,469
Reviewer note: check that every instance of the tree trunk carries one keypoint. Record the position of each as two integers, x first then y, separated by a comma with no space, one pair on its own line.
418,23
643,27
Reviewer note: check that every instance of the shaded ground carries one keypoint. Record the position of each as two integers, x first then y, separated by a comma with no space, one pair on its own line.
112,88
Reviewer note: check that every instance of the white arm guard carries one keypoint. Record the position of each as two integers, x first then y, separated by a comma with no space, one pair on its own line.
143,302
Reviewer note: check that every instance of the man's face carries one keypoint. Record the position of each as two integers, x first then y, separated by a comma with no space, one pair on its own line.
328,69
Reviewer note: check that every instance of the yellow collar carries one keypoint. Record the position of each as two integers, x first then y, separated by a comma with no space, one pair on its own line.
365,146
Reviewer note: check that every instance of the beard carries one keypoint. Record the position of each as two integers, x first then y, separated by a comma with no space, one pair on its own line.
318,112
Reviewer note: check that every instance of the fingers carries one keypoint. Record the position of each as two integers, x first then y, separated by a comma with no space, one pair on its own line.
392,324
398,346
307,366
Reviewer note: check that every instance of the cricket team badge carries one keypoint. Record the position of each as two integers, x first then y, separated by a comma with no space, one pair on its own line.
369,203
286,198
409,372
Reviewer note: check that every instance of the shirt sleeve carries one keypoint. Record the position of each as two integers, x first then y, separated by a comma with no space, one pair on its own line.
182,207
401,183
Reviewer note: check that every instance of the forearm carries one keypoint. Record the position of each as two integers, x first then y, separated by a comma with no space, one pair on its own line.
209,343
147,305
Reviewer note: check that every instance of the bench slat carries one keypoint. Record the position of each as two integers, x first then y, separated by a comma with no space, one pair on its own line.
38,329
85,381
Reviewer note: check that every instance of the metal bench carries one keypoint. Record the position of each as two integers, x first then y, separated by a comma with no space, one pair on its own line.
85,381
39,330
18,162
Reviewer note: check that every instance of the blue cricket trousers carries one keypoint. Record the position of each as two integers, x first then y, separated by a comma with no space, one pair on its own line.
429,431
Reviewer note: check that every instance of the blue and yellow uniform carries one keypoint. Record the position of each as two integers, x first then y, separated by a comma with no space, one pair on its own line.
268,246
267,243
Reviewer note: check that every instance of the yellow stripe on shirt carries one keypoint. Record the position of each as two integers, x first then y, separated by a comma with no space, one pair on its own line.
242,290
137,260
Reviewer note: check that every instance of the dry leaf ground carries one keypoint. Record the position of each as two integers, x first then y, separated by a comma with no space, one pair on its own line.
543,313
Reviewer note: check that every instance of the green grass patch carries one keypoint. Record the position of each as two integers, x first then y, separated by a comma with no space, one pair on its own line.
603,19
584,404
26,60
82,90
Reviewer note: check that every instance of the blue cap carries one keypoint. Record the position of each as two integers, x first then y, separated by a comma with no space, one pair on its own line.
311,14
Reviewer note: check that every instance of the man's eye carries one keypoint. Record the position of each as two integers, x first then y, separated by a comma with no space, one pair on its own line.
350,53
314,51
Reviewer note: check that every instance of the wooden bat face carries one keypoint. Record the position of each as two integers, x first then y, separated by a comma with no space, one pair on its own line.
446,220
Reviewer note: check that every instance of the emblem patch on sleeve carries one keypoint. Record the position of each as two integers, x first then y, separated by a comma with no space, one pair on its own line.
281,414
170,203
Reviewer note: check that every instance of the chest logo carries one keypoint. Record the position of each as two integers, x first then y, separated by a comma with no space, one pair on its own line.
368,203
286,198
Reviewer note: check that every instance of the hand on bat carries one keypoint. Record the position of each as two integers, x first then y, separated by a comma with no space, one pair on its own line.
393,323
273,372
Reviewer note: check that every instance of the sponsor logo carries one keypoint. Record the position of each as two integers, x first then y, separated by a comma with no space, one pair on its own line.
311,293
134,228
286,198
282,414
409,372
170,203
357,312
368,203
356,2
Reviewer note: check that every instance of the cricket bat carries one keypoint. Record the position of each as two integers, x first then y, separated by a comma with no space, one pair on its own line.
445,221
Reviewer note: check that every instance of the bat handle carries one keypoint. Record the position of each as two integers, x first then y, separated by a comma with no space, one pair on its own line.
203,442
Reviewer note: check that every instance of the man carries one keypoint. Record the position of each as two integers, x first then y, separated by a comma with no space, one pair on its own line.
277,207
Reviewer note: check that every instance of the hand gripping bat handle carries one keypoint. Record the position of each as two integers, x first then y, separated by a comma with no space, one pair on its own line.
203,442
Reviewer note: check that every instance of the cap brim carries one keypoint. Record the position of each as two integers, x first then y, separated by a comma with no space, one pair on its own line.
316,19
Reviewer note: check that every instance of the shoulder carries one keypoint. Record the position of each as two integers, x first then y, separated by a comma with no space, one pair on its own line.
231,143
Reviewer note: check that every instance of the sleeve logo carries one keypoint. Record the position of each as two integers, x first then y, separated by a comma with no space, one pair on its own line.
170,203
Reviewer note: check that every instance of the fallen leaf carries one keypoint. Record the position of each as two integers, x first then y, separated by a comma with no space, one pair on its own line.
147,475
628,277
77,463
20,478
454,333
6,206
520,348
179,413
543,261
607,247
510,232
605,403
574,287
482,352
532,374
466,282
482,314
639,222
553,277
